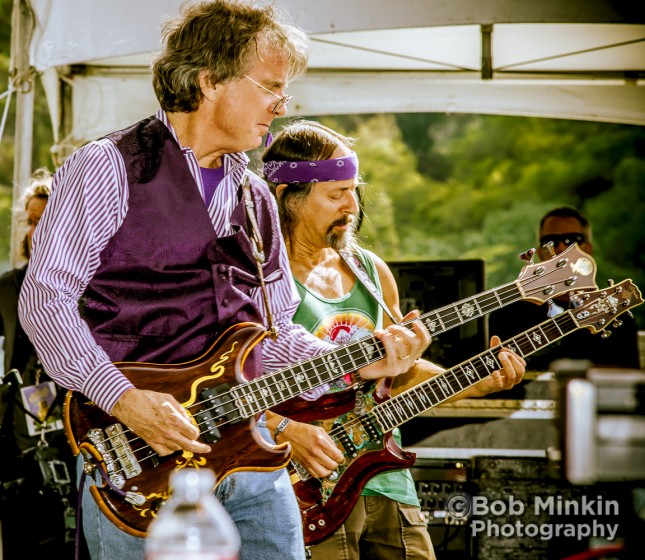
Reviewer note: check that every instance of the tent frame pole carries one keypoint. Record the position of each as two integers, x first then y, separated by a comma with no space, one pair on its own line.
23,80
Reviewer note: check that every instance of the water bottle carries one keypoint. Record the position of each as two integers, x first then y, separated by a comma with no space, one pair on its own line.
192,524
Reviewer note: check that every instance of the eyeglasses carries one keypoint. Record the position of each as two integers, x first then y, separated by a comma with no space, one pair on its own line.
566,238
284,100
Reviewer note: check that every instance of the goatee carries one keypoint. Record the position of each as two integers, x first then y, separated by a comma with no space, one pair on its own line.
340,240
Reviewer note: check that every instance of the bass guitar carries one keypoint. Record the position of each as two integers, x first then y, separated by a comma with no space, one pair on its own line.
366,439
224,405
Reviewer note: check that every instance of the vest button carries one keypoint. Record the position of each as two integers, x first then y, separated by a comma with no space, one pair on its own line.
224,303
221,268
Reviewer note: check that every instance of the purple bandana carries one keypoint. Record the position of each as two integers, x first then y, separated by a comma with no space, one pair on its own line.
319,171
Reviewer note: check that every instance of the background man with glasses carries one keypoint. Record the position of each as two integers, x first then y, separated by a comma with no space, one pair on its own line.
143,255
564,226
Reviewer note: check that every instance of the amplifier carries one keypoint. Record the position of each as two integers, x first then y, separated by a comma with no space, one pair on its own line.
437,480
511,504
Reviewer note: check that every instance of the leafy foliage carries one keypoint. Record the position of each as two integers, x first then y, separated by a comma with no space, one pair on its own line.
498,176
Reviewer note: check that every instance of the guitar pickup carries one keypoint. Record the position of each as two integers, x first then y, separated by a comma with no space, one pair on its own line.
343,437
214,411
369,428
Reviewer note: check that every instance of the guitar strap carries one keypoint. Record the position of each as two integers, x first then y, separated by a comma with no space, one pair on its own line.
358,268
258,250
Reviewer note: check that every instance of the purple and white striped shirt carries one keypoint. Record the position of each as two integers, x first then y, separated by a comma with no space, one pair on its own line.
88,204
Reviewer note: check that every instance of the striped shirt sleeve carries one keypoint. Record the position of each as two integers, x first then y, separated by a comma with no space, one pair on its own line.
87,205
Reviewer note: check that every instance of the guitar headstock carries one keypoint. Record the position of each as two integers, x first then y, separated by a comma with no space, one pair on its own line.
573,269
600,308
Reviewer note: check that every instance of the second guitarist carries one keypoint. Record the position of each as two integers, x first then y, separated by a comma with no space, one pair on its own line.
319,218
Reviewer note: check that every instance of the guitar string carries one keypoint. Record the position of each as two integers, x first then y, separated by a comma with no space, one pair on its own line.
492,295
452,320
429,390
432,390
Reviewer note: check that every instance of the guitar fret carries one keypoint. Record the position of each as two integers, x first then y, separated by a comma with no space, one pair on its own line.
431,324
351,359
445,388
298,377
241,399
515,348
489,362
368,347
332,368
422,396
457,379
562,333
480,312
536,338
461,321
412,409
508,294
282,385
430,386
497,298
398,410
388,421
317,368
264,392
470,372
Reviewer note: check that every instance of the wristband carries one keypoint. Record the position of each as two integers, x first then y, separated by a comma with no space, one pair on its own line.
280,428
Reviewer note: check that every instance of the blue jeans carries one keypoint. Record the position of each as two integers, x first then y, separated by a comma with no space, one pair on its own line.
262,505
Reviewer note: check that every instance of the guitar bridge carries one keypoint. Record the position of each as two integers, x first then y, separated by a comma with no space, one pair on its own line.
116,453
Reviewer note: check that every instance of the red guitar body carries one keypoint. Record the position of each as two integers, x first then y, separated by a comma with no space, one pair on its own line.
321,501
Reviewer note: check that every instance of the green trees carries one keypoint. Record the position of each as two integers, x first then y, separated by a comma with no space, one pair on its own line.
475,186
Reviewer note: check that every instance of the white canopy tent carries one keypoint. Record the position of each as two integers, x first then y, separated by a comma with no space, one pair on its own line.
578,59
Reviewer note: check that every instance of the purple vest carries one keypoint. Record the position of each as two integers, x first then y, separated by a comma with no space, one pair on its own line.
167,285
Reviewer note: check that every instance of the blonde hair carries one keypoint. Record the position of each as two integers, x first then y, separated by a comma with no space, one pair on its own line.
40,186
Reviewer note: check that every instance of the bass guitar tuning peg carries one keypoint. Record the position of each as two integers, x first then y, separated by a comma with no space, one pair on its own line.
549,248
527,256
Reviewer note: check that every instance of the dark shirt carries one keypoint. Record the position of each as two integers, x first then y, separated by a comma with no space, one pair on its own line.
619,350
24,493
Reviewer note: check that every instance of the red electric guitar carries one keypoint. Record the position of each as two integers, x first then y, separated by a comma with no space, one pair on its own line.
366,439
